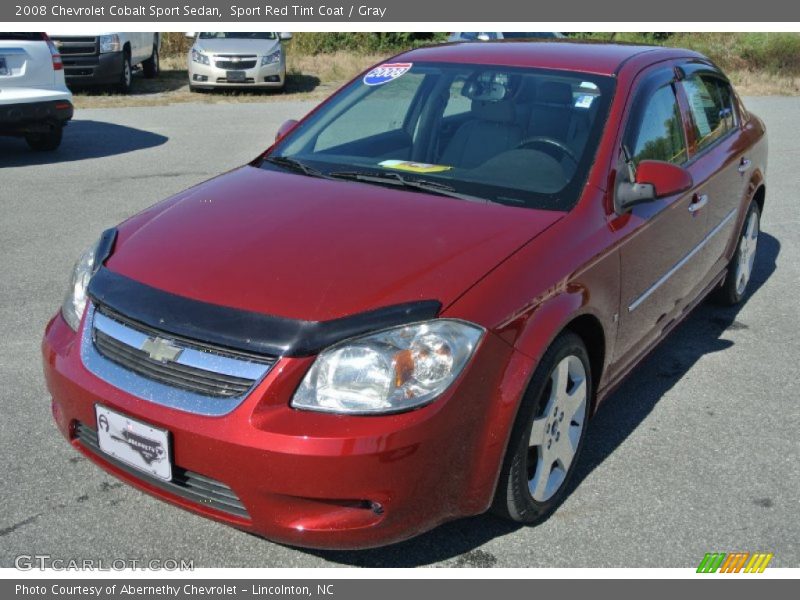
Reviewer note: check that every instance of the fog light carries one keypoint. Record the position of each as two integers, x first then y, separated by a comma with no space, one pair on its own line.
272,79
197,77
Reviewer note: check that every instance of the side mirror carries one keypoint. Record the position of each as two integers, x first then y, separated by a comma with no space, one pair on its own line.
654,179
285,128
190,34
284,36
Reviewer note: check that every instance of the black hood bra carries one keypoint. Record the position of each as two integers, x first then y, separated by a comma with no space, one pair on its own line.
238,329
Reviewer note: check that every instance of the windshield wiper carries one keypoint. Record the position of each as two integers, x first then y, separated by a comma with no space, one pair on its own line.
295,165
424,185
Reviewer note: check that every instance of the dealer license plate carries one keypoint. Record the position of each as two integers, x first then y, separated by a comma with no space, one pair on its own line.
137,444
236,76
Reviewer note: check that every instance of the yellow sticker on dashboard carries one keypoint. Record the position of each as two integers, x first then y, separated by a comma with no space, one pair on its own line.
414,167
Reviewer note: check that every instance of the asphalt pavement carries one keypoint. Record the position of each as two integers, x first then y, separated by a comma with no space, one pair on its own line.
697,452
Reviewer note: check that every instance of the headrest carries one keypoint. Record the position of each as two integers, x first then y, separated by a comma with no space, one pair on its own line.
497,112
554,92
527,90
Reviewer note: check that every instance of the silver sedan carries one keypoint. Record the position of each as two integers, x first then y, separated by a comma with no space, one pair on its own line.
239,60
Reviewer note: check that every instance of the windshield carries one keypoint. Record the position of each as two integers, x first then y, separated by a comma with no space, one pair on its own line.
238,35
517,136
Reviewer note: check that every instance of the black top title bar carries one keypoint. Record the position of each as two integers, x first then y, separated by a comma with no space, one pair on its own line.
422,11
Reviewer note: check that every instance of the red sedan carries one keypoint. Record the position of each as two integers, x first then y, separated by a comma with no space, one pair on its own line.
408,308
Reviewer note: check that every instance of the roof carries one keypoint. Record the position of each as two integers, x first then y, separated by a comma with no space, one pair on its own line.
601,59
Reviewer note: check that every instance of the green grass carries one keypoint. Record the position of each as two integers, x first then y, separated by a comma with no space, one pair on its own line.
766,53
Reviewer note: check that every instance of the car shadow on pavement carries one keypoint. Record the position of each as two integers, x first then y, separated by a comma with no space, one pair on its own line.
618,417
297,83
167,81
699,335
83,139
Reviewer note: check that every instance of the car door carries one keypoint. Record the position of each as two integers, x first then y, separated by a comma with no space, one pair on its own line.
658,252
718,158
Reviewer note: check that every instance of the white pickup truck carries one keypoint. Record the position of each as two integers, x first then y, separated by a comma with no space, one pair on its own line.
107,59
34,100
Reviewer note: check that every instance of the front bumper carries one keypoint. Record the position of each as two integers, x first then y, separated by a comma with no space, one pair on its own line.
30,117
97,69
304,478
270,76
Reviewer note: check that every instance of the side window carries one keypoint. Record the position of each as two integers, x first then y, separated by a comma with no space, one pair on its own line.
711,104
657,134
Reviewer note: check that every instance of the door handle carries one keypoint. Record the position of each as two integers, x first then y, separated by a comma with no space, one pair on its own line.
744,165
698,202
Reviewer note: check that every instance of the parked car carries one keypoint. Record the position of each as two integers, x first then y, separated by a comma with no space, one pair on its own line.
34,100
485,36
237,59
107,60
408,308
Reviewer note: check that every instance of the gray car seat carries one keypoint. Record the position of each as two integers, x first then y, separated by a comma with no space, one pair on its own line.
490,130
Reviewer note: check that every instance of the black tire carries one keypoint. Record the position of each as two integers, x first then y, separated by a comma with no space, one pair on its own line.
152,66
730,292
125,82
45,142
513,499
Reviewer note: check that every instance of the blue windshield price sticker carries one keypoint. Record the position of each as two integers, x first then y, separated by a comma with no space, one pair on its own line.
386,73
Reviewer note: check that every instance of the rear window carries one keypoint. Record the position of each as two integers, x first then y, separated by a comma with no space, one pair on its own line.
24,37
711,105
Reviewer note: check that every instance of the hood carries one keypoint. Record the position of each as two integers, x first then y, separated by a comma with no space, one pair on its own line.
316,249
237,46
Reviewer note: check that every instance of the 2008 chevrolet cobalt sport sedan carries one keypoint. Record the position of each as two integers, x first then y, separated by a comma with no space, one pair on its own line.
407,309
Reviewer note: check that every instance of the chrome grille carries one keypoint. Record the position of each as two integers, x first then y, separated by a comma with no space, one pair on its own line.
186,484
167,369
175,374
75,46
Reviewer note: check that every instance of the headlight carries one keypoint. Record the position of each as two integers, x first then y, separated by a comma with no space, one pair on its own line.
109,43
199,57
271,58
390,371
75,300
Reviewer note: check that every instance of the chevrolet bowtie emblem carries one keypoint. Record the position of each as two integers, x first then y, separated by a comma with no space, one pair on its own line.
161,350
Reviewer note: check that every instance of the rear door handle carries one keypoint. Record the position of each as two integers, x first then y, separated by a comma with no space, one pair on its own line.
698,202
744,165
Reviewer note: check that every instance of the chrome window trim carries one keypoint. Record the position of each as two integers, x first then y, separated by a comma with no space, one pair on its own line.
154,391
665,277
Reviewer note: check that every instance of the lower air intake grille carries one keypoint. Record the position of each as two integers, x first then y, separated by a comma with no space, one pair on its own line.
186,484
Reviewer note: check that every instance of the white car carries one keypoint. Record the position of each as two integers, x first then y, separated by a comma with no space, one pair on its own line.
108,59
237,60
34,100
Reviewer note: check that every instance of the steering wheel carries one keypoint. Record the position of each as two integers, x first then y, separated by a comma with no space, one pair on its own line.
542,140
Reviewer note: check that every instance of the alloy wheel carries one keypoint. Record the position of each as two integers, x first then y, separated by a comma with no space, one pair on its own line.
556,433
747,253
